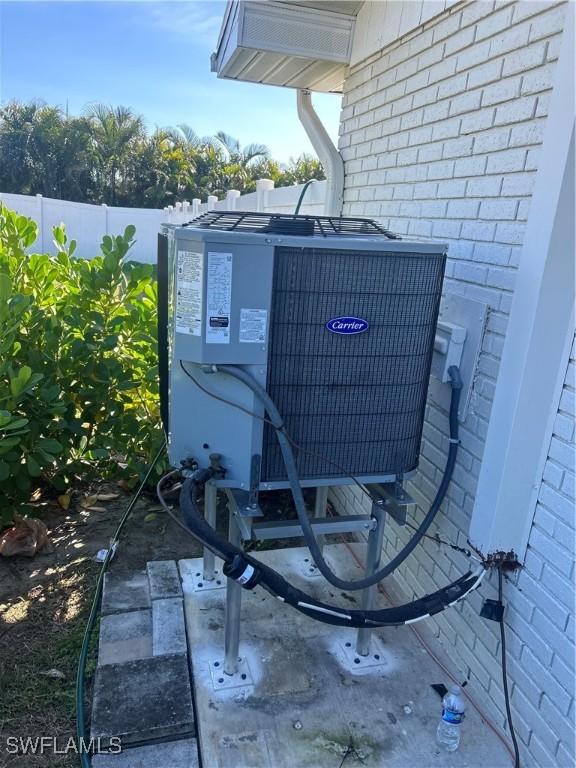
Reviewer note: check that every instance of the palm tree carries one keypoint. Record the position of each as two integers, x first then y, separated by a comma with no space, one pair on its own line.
162,169
115,132
302,169
237,164
43,152
235,154
108,156
184,133
17,168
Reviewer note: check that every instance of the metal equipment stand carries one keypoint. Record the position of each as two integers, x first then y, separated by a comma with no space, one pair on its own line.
320,508
210,502
233,606
245,526
373,556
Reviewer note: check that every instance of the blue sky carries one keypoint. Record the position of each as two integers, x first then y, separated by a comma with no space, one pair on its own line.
151,56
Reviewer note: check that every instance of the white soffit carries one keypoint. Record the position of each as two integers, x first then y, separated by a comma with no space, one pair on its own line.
291,44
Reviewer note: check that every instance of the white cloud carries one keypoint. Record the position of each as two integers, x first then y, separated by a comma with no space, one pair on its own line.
197,20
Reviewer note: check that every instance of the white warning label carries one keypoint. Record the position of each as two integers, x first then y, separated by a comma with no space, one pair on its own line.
189,270
253,325
218,297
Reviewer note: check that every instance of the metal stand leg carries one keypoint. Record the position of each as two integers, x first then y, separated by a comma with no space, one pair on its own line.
320,508
210,500
233,606
373,554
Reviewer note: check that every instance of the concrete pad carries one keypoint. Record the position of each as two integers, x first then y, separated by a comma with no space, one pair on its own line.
143,700
125,637
164,579
309,704
173,754
125,592
168,629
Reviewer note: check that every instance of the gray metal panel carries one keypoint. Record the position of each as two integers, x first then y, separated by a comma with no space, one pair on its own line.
201,425
251,274
347,242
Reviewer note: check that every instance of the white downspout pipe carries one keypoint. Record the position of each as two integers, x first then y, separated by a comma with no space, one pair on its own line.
327,153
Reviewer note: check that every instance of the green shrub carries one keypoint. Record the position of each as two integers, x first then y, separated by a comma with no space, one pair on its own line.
78,362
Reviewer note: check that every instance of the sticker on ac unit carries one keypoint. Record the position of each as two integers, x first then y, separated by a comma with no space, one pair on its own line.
253,324
218,297
189,269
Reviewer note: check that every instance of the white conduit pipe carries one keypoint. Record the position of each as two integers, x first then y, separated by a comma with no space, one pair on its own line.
327,153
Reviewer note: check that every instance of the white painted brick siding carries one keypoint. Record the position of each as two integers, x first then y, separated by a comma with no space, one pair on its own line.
440,136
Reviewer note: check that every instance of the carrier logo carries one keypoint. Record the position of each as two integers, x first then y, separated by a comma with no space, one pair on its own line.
347,325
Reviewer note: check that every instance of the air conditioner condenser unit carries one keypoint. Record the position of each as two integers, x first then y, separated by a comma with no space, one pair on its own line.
335,318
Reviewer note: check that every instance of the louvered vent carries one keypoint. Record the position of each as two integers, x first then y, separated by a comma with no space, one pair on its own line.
354,401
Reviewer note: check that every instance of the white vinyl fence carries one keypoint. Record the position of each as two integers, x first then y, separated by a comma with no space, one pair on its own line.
88,223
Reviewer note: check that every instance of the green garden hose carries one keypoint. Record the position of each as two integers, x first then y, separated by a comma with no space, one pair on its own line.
302,194
80,677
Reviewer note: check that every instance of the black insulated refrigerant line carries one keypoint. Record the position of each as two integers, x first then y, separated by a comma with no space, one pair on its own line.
296,489
249,573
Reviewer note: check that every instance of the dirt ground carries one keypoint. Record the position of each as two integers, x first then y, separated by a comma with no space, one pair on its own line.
45,602
44,605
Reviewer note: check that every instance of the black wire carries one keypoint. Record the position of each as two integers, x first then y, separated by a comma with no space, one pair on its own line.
174,516
284,430
505,677
223,399
337,466
437,538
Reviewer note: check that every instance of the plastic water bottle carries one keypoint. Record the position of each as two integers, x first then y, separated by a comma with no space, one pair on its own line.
449,728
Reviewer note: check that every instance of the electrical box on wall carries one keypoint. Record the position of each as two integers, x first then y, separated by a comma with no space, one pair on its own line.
461,325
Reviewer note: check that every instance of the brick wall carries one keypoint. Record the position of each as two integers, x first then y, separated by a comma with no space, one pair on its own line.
440,133
542,662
